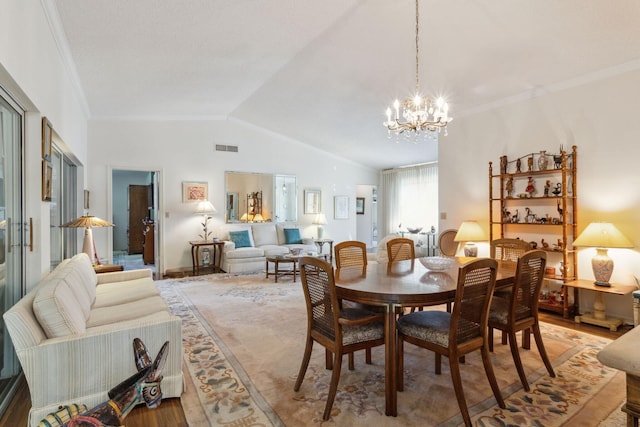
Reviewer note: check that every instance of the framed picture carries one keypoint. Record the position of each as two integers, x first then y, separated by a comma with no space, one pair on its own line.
47,176
341,207
359,205
47,138
86,199
312,201
195,191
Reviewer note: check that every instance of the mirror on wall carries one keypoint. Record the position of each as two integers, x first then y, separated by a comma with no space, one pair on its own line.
285,203
254,197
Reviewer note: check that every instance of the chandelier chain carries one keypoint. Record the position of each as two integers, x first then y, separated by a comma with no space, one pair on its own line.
417,48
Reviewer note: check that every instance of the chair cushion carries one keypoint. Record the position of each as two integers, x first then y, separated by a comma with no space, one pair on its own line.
355,334
292,235
433,326
240,238
499,313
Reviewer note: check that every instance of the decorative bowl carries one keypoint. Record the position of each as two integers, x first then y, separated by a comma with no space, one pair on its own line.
295,251
437,263
414,230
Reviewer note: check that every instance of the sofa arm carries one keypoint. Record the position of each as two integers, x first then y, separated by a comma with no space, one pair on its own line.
83,368
123,276
308,241
622,353
228,246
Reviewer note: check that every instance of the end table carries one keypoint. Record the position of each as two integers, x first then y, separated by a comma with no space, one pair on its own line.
320,243
599,316
216,256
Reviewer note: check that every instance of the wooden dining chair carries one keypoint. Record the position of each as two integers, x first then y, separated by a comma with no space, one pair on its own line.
448,247
457,333
520,311
340,331
351,253
400,249
507,249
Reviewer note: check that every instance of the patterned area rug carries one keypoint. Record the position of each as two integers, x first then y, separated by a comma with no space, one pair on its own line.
244,339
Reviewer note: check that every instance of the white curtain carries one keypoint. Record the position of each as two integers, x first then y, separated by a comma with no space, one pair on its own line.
410,198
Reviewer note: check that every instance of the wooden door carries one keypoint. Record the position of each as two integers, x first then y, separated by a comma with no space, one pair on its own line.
140,200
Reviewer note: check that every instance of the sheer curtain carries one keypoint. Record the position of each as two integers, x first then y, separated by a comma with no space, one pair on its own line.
410,198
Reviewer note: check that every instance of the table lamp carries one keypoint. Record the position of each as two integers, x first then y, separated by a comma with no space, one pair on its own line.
320,220
88,245
470,232
205,208
602,235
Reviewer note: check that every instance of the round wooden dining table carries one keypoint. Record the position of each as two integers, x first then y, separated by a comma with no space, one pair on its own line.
404,284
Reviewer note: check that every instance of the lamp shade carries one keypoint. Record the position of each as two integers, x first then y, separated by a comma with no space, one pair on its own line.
320,219
205,207
470,231
602,235
87,221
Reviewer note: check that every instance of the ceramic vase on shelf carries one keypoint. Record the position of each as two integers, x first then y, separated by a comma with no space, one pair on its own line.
543,161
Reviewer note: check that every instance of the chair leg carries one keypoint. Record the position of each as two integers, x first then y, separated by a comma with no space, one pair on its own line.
400,352
438,369
490,338
328,359
515,353
491,376
454,366
504,338
543,353
351,362
333,387
305,364
367,355
526,339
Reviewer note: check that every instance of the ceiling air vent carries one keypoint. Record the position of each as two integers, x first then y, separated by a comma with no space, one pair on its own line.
230,148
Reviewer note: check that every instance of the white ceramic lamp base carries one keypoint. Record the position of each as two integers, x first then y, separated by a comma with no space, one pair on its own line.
470,249
602,266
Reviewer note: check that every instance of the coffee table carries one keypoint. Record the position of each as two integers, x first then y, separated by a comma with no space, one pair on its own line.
291,262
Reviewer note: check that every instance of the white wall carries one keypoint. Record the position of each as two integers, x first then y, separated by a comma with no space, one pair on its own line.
32,70
185,151
601,119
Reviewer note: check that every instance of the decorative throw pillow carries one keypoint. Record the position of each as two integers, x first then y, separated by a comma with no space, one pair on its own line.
240,238
292,235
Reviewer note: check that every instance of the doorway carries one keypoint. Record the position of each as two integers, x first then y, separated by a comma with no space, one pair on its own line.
135,204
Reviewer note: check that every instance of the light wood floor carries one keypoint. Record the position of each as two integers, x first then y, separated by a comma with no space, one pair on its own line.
170,413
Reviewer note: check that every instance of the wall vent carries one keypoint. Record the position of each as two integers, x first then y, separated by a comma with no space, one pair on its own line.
229,148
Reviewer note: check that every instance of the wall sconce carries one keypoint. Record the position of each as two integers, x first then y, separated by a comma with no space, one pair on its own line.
602,235
205,208
470,232
320,220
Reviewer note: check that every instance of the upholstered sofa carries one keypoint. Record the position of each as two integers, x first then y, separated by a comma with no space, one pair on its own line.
73,334
247,245
622,354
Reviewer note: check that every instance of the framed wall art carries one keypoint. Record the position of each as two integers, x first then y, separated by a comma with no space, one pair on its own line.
359,205
341,207
195,191
47,139
312,201
47,176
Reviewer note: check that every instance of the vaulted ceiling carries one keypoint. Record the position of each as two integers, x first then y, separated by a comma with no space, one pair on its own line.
323,72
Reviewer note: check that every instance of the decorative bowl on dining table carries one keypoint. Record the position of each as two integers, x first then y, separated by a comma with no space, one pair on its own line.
437,263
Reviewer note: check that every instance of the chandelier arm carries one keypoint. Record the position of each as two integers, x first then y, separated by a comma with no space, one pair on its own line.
417,49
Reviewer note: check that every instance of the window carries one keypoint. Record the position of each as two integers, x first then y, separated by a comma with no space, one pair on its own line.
63,206
410,198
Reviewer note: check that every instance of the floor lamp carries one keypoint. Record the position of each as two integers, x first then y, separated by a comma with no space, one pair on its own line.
88,222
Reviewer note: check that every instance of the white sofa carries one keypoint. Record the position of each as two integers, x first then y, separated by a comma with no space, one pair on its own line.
265,239
73,334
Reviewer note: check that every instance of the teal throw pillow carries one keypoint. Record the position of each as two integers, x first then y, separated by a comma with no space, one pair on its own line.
292,235
240,238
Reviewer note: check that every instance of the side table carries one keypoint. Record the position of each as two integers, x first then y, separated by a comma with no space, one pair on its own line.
216,256
320,243
107,268
599,316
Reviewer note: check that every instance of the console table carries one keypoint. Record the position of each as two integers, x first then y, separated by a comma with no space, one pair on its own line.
216,256
599,316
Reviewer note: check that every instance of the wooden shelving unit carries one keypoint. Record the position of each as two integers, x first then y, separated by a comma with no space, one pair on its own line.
539,204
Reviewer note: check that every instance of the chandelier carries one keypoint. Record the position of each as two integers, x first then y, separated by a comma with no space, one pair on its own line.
420,115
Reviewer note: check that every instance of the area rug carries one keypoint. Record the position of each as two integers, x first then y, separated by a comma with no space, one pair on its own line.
243,339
